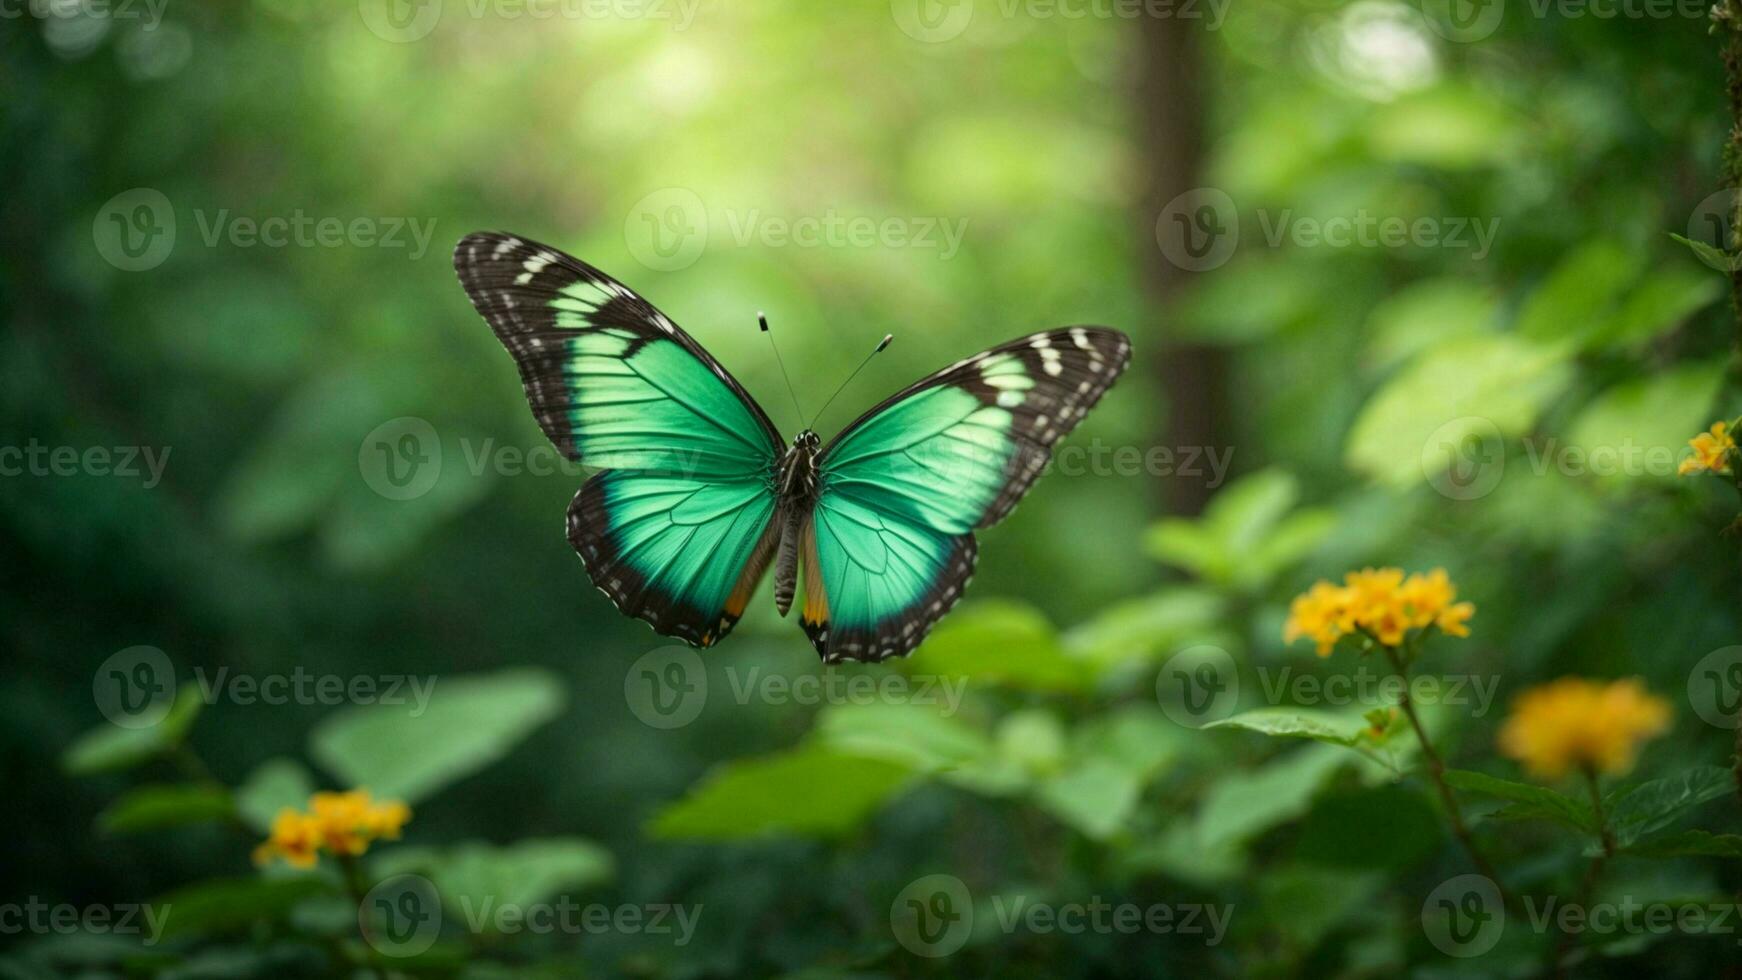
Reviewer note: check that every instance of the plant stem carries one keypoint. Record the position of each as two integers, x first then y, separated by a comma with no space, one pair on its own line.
1727,23
352,873
1588,886
1437,774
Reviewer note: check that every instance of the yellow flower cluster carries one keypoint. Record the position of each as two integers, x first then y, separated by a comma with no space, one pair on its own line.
343,823
1574,723
1711,451
1378,602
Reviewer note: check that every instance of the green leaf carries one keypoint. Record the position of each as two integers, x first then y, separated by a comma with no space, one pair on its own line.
1662,302
1245,803
1578,294
1638,428
1648,807
919,737
156,807
809,791
1096,797
467,723
1130,635
1711,255
1407,430
1429,312
1528,802
1320,726
110,748
1001,642
476,878
273,785
1689,843
224,905
1245,536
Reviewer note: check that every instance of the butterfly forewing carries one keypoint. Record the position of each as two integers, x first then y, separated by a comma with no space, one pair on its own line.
903,488
678,530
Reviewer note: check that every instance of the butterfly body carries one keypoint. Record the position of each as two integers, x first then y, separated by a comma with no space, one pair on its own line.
698,494
797,482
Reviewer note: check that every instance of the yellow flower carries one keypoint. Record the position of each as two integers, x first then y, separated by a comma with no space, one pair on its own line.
1575,723
1379,602
295,837
343,823
1711,449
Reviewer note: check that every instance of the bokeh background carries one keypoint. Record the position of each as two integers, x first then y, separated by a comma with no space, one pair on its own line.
343,489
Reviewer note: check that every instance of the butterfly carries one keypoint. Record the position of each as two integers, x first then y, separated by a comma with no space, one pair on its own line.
698,494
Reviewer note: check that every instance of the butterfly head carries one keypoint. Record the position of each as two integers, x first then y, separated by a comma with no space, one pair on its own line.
798,467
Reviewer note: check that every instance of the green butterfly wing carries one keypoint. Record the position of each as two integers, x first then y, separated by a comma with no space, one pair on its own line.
679,528
890,545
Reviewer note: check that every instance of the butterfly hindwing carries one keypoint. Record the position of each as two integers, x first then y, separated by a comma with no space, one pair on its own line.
890,545
678,529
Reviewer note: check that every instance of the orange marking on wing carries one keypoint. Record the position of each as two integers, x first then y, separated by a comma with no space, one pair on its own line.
753,569
816,599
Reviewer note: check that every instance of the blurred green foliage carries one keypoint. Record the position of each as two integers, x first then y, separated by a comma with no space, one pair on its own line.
1056,769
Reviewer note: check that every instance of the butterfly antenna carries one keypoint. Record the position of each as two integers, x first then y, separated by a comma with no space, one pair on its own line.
763,320
880,348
